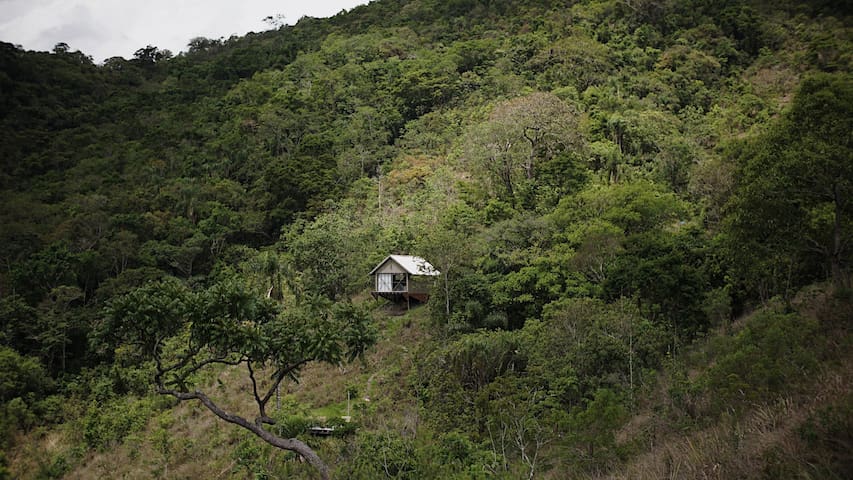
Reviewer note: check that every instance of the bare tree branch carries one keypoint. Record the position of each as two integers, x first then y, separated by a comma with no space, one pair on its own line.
290,444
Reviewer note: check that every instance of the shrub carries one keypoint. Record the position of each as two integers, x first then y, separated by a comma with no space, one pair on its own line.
20,375
828,436
108,424
18,414
766,358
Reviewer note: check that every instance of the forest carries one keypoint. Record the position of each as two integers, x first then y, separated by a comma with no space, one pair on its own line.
642,212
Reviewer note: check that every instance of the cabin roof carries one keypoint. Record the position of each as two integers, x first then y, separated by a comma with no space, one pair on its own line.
410,263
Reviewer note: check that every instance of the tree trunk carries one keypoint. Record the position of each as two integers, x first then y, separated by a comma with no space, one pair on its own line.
531,157
290,444
446,293
840,279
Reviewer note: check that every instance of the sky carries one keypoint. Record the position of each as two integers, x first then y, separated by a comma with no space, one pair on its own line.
110,28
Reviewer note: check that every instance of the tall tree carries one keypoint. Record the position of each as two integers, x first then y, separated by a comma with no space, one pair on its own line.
520,135
186,332
794,197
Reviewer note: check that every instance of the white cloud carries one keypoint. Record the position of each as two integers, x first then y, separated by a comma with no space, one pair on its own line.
108,28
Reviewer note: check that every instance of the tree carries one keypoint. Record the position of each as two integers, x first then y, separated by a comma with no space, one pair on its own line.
447,245
275,21
664,272
520,135
576,60
515,410
595,425
20,375
793,201
186,332
51,267
322,252
18,324
56,323
149,55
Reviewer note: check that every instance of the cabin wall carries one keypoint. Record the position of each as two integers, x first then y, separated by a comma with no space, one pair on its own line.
391,267
416,284
420,284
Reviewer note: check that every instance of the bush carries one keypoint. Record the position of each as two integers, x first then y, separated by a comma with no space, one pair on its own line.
249,454
594,428
828,436
18,414
20,375
292,426
4,470
448,376
766,358
52,409
383,455
57,467
108,424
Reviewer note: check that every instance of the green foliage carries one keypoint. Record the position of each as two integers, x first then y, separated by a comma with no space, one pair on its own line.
17,414
21,375
600,184
594,427
587,344
790,208
249,454
107,424
826,434
773,351
54,468
666,275
322,252
229,323
634,207
24,389
4,470
162,440
18,319
46,270
150,313
386,454
450,376
521,137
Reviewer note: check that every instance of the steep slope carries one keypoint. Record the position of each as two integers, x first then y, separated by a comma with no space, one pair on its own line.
605,186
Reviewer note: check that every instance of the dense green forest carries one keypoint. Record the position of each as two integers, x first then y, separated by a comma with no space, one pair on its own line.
641,212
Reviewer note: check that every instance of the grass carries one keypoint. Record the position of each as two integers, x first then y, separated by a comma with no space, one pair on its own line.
188,441
769,439
334,410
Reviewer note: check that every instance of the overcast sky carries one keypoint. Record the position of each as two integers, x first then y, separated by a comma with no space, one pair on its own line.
109,28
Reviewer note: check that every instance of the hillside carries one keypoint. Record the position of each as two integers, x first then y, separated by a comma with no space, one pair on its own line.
640,209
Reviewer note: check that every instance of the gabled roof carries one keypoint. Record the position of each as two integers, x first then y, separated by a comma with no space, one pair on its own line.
413,265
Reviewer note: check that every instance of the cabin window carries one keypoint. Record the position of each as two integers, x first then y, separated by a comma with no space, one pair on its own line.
392,282
384,281
400,282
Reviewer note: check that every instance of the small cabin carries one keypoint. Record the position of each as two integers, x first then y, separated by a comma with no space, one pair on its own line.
402,278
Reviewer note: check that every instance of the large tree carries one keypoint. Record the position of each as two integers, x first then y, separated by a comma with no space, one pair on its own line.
792,209
520,136
186,332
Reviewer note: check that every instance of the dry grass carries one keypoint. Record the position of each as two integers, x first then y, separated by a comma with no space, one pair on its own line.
739,449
